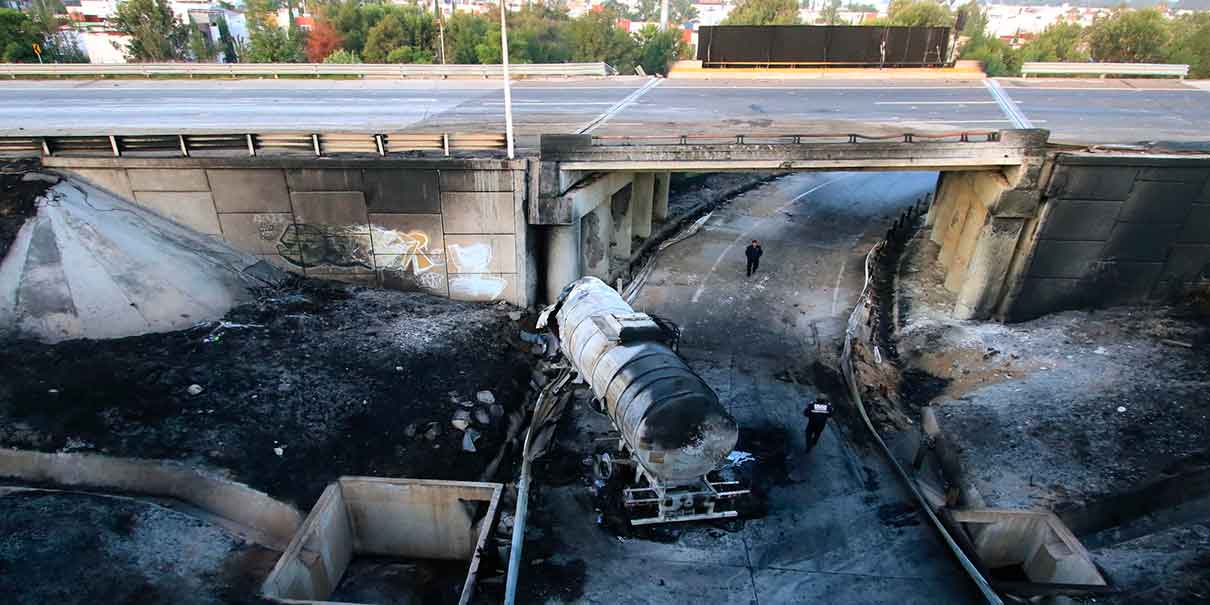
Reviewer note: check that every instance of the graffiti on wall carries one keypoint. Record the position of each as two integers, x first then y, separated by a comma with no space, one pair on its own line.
471,259
309,246
411,263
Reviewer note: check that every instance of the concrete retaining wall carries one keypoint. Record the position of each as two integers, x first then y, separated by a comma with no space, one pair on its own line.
1116,229
452,227
405,518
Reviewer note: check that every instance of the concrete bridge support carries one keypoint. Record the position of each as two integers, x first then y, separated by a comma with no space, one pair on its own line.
659,202
978,218
592,221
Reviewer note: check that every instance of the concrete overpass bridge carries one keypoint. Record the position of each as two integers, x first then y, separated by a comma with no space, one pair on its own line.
1025,227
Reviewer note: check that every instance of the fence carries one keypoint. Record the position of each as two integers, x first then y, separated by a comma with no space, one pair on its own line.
835,45
274,143
316,70
1104,69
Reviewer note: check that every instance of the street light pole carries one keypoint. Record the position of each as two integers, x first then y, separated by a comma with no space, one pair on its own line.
508,95
663,15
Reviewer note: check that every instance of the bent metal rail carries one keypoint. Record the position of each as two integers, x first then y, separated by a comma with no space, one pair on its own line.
316,70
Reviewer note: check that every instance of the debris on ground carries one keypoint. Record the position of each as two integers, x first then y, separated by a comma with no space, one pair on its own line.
1092,414
121,550
18,198
341,387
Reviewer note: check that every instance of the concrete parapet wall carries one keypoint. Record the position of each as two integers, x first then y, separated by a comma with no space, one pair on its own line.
1116,229
452,227
218,496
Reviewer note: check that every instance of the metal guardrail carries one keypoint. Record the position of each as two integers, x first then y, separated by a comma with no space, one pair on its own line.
317,70
274,143
977,136
1104,69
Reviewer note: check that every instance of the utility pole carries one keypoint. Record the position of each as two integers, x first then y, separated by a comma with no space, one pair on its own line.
663,15
440,30
508,95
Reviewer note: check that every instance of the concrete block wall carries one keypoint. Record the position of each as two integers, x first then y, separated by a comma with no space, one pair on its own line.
1115,230
454,228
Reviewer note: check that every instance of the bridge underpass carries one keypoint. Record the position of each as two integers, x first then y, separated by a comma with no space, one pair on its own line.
837,528
597,196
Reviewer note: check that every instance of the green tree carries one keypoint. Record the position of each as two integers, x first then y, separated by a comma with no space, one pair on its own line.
999,59
463,33
594,36
17,37
830,14
200,45
974,18
1190,43
1058,42
657,49
155,34
763,12
1129,36
342,56
349,19
227,41
919,13
268,43
402,27
860,7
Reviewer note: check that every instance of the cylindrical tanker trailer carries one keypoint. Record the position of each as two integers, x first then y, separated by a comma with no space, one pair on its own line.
671,421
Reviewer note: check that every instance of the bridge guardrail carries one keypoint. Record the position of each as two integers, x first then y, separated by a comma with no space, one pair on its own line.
791,139
359,70
250,144
1104,69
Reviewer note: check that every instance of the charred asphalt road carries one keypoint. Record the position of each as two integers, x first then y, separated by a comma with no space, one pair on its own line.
840,529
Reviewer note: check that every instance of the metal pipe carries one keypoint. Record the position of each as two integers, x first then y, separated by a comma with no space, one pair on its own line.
514,554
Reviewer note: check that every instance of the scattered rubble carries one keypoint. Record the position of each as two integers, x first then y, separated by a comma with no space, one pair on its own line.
342,388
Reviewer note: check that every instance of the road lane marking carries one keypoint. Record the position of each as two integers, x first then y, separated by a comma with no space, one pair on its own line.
836,290
935,102
621,105
743,236
1010,109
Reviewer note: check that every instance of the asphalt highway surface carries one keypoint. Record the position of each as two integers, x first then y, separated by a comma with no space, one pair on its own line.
1075,111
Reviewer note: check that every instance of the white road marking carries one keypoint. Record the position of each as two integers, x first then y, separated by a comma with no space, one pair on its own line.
743,236
1010,109
621,105
934,102
836,289
552,103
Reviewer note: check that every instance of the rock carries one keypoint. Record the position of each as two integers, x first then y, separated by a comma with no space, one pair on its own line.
279,450
468,440
410,431
497,410
195,389
485,397
398,368
462,419
515,315
483,417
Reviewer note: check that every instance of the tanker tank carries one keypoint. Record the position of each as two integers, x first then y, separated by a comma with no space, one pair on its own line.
670,419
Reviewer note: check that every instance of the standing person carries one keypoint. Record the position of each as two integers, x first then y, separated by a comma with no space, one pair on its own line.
753,253
817,414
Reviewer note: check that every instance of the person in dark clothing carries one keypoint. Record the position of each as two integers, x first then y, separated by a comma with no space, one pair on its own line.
817,414
753,253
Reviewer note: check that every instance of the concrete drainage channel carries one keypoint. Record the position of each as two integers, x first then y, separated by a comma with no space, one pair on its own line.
403,521
1022,553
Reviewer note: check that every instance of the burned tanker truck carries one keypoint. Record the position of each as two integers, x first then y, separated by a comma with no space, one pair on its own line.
674,433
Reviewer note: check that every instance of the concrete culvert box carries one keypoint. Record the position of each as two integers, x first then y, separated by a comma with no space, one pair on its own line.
403,519
1034,543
